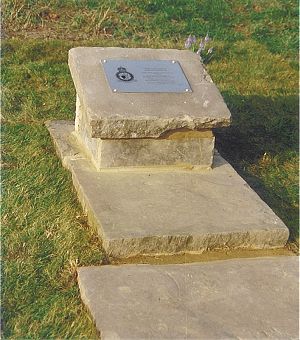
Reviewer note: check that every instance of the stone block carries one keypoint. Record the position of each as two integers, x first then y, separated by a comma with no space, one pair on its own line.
167,212
234,299
112,115
188,151
178,148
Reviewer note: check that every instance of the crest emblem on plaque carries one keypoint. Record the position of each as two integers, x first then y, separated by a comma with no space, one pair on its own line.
123,74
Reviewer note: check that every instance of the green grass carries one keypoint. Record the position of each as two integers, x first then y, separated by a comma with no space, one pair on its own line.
271,23
45,232
45,238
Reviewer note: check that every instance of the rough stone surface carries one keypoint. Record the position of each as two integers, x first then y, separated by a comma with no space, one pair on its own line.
110,153
141,115
233,299
148,212
157,152
92,146
187,148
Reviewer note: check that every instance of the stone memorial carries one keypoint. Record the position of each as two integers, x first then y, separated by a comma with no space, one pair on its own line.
161,113
141,153
142,156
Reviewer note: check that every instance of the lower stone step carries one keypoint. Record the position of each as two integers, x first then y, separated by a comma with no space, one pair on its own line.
165,212
236,299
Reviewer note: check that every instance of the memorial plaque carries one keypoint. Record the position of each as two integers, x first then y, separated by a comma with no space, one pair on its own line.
154,76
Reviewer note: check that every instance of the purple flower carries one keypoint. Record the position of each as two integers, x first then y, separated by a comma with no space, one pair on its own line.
190,41
201,47
207,38
204,53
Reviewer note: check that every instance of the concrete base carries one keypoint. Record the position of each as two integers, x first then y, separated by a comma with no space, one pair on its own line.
155,212
234,299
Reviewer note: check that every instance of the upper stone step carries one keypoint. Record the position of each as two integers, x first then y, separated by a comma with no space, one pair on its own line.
127,93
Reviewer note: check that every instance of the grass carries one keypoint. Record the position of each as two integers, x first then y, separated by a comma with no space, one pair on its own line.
45,232
46,238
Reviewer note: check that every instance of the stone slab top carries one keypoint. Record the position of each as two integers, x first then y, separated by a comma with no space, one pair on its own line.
233,299
144,115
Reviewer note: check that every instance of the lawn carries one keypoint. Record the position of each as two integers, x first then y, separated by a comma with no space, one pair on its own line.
44,229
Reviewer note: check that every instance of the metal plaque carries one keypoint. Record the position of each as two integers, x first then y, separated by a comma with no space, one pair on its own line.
145,76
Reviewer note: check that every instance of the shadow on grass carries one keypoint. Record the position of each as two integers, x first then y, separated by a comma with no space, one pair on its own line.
262,144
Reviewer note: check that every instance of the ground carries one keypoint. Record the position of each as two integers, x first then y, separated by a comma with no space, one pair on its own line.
46,235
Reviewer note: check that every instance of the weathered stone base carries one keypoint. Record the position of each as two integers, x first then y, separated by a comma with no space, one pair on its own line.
233,299
154,212
178,148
